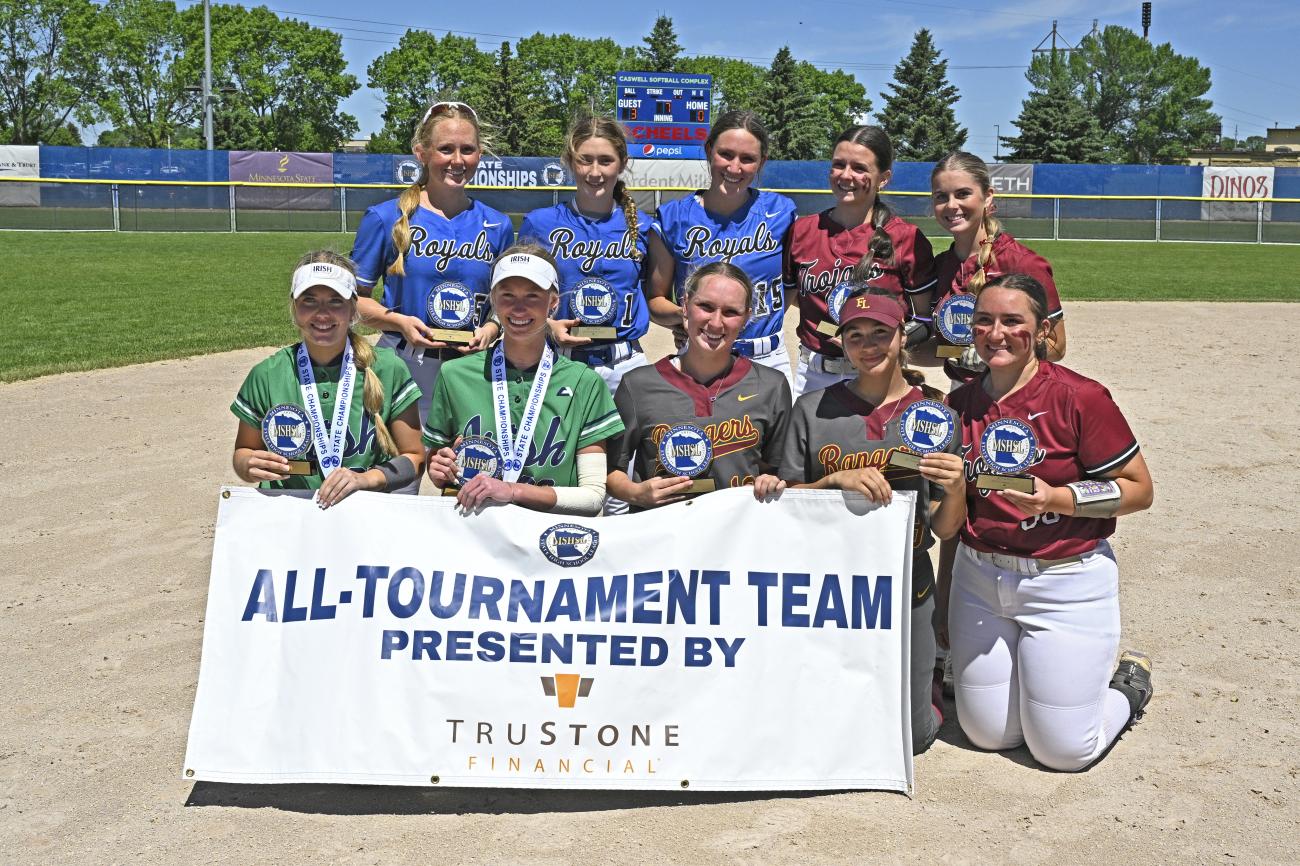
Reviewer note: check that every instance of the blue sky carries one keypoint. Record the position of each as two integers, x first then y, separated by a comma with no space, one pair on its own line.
1249,46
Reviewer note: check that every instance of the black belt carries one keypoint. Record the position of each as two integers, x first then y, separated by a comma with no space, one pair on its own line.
605,354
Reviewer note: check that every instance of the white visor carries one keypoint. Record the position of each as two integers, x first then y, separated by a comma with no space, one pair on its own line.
536,270
323,274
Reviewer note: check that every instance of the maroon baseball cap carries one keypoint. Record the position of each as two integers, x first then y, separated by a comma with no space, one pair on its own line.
887,311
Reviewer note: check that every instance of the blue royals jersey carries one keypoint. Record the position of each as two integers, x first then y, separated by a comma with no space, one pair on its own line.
600,280
752,239
457,250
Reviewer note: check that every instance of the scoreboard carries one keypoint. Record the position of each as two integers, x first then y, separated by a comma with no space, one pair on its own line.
666,114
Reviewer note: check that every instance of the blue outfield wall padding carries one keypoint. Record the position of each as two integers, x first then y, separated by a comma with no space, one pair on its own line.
540,176
130,163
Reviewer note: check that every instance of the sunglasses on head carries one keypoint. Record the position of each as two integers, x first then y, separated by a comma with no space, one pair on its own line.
440,107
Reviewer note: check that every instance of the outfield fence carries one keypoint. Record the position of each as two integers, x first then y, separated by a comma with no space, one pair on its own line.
81,204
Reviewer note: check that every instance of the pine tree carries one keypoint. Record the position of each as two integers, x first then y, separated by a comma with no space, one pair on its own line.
918,114
1056,127
511,109
789,111
660,53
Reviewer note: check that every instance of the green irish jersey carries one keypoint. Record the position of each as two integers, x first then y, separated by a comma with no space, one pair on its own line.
274,382
577,411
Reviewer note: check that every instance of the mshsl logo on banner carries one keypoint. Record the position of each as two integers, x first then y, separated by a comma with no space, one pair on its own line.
724,644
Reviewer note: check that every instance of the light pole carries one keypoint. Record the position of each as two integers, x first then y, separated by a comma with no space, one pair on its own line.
207,74
997,142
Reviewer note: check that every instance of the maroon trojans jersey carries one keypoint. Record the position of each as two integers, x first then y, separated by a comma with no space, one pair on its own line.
822,254
1079,433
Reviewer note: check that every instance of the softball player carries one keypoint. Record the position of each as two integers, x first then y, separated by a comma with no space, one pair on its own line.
739,408
546,416
841,437
729,222
860,233
1033,614
433,236
299,424
962,194
599,242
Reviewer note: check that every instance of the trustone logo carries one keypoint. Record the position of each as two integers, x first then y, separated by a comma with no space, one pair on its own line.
567,688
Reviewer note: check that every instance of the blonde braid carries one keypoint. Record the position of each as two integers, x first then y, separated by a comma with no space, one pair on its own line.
372,393
986,259
407,202
629,213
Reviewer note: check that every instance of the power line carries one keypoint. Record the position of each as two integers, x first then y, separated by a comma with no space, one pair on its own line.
982,9
1252,75
1244,111
395,24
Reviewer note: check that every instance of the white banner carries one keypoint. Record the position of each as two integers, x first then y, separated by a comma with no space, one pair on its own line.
20,160
665,174
724,644
1235,182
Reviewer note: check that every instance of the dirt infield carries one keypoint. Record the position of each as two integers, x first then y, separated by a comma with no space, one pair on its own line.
108,494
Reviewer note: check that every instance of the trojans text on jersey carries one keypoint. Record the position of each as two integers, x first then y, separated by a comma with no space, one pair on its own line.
815,282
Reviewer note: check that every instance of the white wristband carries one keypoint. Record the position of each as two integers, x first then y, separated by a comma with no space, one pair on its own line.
1095,497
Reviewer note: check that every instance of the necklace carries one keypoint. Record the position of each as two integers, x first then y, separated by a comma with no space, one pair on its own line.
717,381
853,386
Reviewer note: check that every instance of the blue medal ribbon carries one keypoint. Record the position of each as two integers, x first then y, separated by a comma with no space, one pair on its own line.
515,451
329,451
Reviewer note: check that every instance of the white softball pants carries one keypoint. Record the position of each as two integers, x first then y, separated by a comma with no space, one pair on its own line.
1033,652
810,375
613,375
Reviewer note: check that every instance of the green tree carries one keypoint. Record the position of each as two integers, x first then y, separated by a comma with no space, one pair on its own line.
143,89
839,102
287,79
918,113
1055,126
573,76
1147,99
1250,142
511,109
421,68
46,68
786,106
661,48
736,83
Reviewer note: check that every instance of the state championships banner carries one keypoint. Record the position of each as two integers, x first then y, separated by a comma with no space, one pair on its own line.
724,644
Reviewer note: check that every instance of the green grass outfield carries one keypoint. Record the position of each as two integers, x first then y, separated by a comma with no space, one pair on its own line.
86,301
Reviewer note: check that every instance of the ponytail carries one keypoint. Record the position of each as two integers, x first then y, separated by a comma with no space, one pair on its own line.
372,392
422,140
593,126
407,202
960,160
624,199
881,245
985,260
